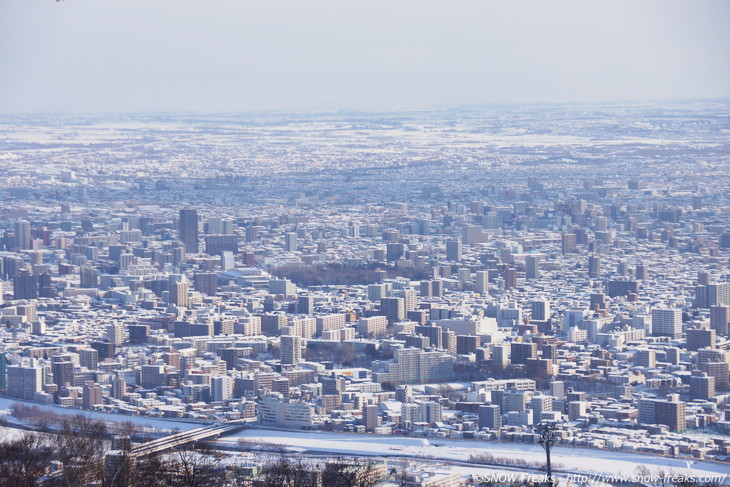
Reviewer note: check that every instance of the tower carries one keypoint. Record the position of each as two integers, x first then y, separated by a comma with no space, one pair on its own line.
189,230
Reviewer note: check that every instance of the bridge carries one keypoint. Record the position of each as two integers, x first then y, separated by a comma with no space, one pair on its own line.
114,461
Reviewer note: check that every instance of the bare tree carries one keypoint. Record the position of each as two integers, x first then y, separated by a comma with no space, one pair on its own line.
80,447
24,460
351,472
195,467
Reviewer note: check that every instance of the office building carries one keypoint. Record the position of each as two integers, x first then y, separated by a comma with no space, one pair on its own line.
188,230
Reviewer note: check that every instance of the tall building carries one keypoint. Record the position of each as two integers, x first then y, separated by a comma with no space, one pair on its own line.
540,309
532,267
393,308
490,416
25,285
409,296
720,319
188,230
481,284
217,244
23,240
372,326
520,352
290,242
24,382
666,322
305,304
179,293
569,242
594,267
115,333
89,358
700,338
701,386
510,278
221,388
89,277
667,412
370,416
91,395
453,250
291,349
206,282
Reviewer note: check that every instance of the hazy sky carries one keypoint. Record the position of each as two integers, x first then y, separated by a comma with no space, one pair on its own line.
233,55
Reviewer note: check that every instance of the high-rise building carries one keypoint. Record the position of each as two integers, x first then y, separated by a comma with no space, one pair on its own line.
568,243
25,285
594,267
393,308
89,277
115,333
532,267
89,358
701,386
700,338
221,388
290,242
291,349
490,416
540,309
372,326
206,282
305,304
91,395
217,244
24,382
370,416
453,250
409,296
667,412
520,352
23,240
62,369
666,322
481,282
271,324
179,292
188,230
510,278
720,319
119,387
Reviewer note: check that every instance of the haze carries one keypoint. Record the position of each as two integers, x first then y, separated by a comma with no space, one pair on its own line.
136,55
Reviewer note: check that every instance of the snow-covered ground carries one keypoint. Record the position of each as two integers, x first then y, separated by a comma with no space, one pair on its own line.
574,459
142,421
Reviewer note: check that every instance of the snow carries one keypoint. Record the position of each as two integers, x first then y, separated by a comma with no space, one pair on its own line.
590,461
143,421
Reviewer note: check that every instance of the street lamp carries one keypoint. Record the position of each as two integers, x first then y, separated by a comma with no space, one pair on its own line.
546,430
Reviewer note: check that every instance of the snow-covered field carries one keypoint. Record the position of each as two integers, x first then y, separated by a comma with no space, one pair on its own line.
142,421
573,459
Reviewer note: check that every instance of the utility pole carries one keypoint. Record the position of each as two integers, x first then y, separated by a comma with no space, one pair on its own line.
546,430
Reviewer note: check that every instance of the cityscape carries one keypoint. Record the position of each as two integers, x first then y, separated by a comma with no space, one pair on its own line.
364,244
515,265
